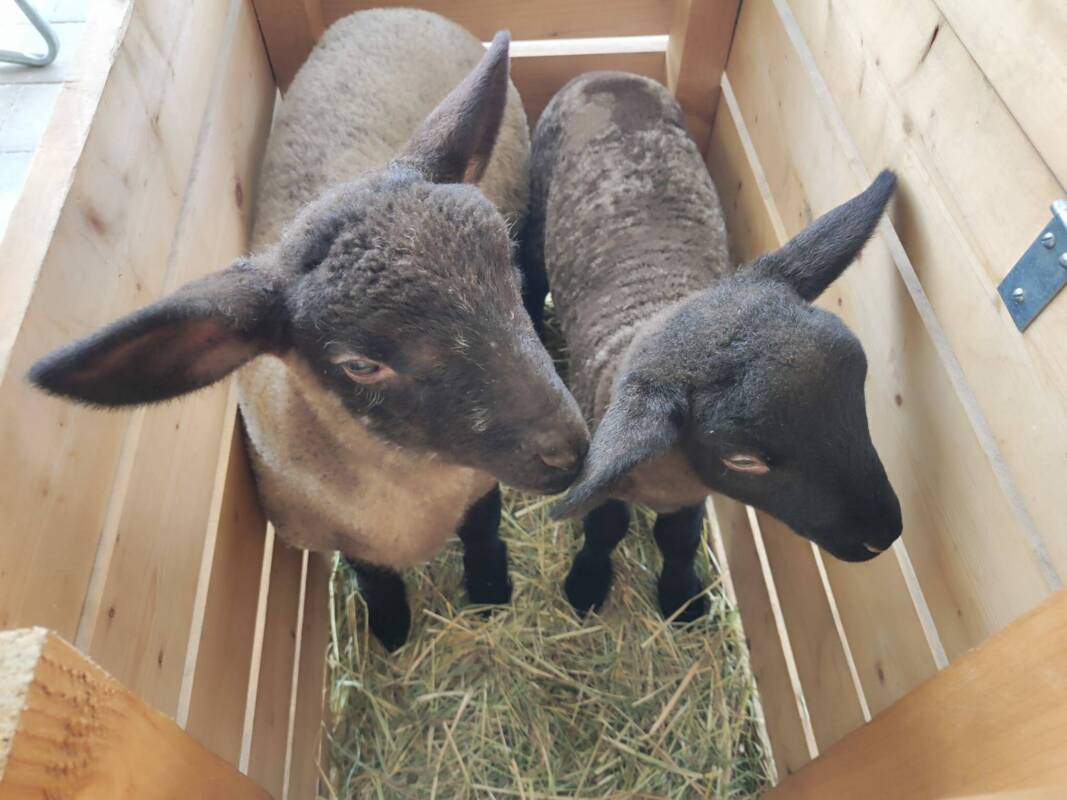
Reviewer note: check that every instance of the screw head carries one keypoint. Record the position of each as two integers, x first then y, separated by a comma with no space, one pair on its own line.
1063,260
1018,295
1049,240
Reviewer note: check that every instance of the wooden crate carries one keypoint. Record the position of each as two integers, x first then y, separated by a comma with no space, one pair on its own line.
137,535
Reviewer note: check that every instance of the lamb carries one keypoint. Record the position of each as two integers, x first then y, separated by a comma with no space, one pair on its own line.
389,376
695,375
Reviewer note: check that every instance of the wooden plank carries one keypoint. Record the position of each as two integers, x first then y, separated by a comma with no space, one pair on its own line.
538,78
142,633
1020,49
833,704
220,682
35,215
934,122
107,256
290,29
791,746
970,549
701,32
311,679
270,731
545,19
68,729
995,720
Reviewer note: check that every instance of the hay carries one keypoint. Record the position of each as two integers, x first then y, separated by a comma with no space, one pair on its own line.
532,702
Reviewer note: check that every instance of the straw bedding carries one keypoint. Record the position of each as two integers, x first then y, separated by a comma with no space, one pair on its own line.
533,702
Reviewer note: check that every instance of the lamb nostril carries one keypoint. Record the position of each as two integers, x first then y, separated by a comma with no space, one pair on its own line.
560,459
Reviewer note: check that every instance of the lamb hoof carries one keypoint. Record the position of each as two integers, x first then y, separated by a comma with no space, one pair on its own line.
675,592
391,627
588,583
490,593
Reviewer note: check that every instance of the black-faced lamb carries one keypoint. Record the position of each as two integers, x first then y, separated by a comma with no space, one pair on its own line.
389,374
695,375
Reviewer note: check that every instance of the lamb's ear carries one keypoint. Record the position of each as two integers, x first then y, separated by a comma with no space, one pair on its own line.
183,342
455,142
816,256
642,421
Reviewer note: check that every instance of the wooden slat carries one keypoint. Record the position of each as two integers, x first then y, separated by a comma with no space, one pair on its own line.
76,732
933,122
701,32
833,704
107,256
766,650
143,628
538,78
270,732
995,720
25,240
1020,48
311,678
290,30
969,547
220,683
545,19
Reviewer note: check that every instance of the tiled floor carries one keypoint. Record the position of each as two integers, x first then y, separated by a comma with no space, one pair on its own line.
27,94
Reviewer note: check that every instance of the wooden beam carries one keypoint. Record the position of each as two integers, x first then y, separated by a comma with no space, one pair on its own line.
290,29
544,19
995,720
699,44
68,729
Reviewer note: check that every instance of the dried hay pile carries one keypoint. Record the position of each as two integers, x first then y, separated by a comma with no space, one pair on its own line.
533,702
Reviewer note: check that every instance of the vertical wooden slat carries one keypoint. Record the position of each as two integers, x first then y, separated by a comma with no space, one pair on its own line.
290,29
77,732
701,32
994,720
220,682
270,731
311,677
833,704
767,652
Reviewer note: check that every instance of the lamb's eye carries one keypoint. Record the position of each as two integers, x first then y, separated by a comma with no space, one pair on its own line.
363,370
747,463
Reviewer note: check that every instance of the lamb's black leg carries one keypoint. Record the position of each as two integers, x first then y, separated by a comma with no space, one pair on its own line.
387,603
678,536
485,556
589,580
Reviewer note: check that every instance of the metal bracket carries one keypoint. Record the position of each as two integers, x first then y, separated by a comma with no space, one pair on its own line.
1039,275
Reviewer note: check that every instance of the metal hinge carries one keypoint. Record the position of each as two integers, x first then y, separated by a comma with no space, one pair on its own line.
1039,275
